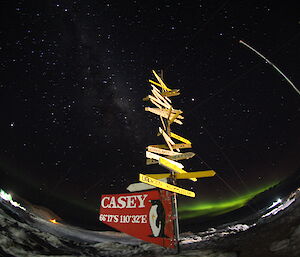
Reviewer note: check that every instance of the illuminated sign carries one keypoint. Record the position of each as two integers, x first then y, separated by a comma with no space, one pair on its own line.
145,215
166,186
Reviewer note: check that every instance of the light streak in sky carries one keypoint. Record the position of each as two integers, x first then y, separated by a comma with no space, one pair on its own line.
275,67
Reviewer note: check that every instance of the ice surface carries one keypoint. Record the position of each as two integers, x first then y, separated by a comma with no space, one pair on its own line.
24,234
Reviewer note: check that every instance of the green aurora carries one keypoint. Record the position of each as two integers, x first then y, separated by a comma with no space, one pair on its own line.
193,210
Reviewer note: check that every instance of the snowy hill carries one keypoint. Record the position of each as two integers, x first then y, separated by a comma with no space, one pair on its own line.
276,234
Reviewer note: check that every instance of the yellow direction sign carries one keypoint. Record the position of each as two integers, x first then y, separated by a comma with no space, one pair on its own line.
157,84
157,183
161,82
165,163
194,174
182,139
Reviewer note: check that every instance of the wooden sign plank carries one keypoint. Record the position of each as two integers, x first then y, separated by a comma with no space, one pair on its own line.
168,165
166,111
168,140
160,146
168,143
168,102
156,104
159,96
160,81
152,156
182,156
157,84
168,99
176,146
160,151
157,100
165,186
182,146
188,175
196,174
158,111
155,88
157,157
173,135
174,92
177,114
178,164
162,122
177,157
151,161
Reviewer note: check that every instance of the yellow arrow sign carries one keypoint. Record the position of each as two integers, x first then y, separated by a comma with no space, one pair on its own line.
195,174
184,140
157,183
161,82
165,163
160,85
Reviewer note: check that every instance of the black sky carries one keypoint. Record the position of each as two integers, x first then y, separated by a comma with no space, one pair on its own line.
73,75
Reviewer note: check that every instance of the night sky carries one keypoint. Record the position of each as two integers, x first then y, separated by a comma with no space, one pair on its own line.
73,75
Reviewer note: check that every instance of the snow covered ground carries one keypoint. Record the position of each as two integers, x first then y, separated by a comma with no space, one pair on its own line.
276,232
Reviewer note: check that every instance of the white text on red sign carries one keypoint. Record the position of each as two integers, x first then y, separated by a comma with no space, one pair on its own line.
132,201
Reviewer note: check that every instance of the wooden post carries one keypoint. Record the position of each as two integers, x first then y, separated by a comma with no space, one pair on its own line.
172,180
161,74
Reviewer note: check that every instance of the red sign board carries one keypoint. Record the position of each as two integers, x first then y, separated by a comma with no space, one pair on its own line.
145,215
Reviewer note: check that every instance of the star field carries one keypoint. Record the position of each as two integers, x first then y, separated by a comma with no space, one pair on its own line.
73,75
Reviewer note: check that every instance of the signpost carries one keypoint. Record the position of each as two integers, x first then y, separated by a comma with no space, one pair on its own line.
166,186
195,174
145,215
152,215
170,166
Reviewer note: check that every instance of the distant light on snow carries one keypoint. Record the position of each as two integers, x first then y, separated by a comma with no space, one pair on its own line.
7,197
239,227
54,221
275,203
282,206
